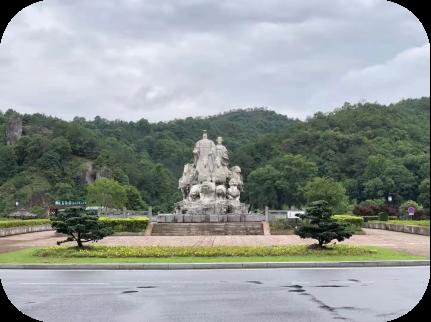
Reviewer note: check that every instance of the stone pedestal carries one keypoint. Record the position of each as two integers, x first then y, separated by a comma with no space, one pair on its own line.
204,218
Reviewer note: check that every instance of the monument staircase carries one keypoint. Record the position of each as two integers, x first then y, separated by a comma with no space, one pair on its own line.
205,229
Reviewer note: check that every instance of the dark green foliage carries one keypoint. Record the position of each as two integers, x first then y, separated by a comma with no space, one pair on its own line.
372,150
383,216
329,190
424,196
79,225
134,199
319,224
8,164
131,224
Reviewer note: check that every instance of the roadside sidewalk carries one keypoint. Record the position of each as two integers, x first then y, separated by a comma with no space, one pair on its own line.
414,244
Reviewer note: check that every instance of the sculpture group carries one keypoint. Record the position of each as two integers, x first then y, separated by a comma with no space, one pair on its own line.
208,185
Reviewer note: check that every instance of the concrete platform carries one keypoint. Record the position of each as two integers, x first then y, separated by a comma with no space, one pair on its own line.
187,218
207,229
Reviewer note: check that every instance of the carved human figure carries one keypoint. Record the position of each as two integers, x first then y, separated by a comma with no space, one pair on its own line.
233,192
194,193
207,192
220,192
235,177
221,152
204,158
188,178
221,171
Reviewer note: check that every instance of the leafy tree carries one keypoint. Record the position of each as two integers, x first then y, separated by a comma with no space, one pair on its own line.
370,148
8,165
106,193
134,199
329,190
424,197
79,225
295,171
64,191
319,224
261,187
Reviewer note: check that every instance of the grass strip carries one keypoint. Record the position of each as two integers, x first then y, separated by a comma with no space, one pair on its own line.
420,223
339,253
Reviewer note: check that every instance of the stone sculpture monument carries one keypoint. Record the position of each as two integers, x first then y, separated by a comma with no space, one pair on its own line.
208,186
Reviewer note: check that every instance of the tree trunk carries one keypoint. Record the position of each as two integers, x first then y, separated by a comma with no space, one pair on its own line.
79,241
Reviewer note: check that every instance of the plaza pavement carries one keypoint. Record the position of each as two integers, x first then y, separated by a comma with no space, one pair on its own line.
414,244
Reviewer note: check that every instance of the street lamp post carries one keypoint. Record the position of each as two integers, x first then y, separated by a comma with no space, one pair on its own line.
391,201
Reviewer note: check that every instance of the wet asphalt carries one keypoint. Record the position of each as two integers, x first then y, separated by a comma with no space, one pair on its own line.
350,294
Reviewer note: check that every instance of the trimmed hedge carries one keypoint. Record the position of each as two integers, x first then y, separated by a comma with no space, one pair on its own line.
356,221
130,224
23,222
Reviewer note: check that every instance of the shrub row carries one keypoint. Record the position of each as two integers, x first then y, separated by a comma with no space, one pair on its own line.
422,223
353,220
192,251
19,223
374,210
130,224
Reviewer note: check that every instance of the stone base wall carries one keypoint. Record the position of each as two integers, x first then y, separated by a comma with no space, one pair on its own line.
23,230
400,228
187,218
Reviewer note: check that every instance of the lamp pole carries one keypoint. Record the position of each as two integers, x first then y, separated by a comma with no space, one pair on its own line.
391,201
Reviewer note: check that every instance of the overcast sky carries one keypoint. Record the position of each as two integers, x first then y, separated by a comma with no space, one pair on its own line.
160,60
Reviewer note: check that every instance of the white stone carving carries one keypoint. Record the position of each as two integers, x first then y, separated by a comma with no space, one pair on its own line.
207,184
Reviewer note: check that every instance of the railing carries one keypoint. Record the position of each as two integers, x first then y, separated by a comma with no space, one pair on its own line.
123,213
273,214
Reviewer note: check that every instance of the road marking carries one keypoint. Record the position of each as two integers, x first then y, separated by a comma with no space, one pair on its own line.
64,283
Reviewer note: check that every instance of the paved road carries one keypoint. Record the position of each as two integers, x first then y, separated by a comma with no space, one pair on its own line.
360,294
415,244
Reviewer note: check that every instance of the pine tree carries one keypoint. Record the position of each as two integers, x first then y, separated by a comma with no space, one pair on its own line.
319,224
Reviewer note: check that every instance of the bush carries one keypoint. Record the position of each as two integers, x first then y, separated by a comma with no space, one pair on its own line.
420,215
79,225
410,203
355,221
319,224
383,216
18,223
39,211
130,224
374,210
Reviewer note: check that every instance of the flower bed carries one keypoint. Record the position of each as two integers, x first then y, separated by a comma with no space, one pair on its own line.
225,251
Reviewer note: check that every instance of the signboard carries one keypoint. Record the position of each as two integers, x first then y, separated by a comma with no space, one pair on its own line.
411,211
70,203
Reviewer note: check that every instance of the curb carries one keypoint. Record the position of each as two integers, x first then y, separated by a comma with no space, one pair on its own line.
181,266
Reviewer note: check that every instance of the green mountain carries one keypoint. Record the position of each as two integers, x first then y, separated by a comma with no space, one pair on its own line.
370,148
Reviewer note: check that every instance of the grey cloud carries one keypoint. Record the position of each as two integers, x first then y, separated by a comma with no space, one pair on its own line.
168,59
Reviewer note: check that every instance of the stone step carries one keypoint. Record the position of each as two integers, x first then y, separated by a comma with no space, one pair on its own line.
205,229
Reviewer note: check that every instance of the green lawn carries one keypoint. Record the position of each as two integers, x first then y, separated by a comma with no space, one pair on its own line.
422,223
344,253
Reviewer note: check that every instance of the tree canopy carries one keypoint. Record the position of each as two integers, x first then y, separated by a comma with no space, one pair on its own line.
369,149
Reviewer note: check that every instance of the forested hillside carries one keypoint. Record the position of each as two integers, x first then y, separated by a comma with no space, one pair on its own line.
369,149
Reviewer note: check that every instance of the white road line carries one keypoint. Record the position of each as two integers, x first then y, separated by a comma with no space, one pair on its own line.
64,283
